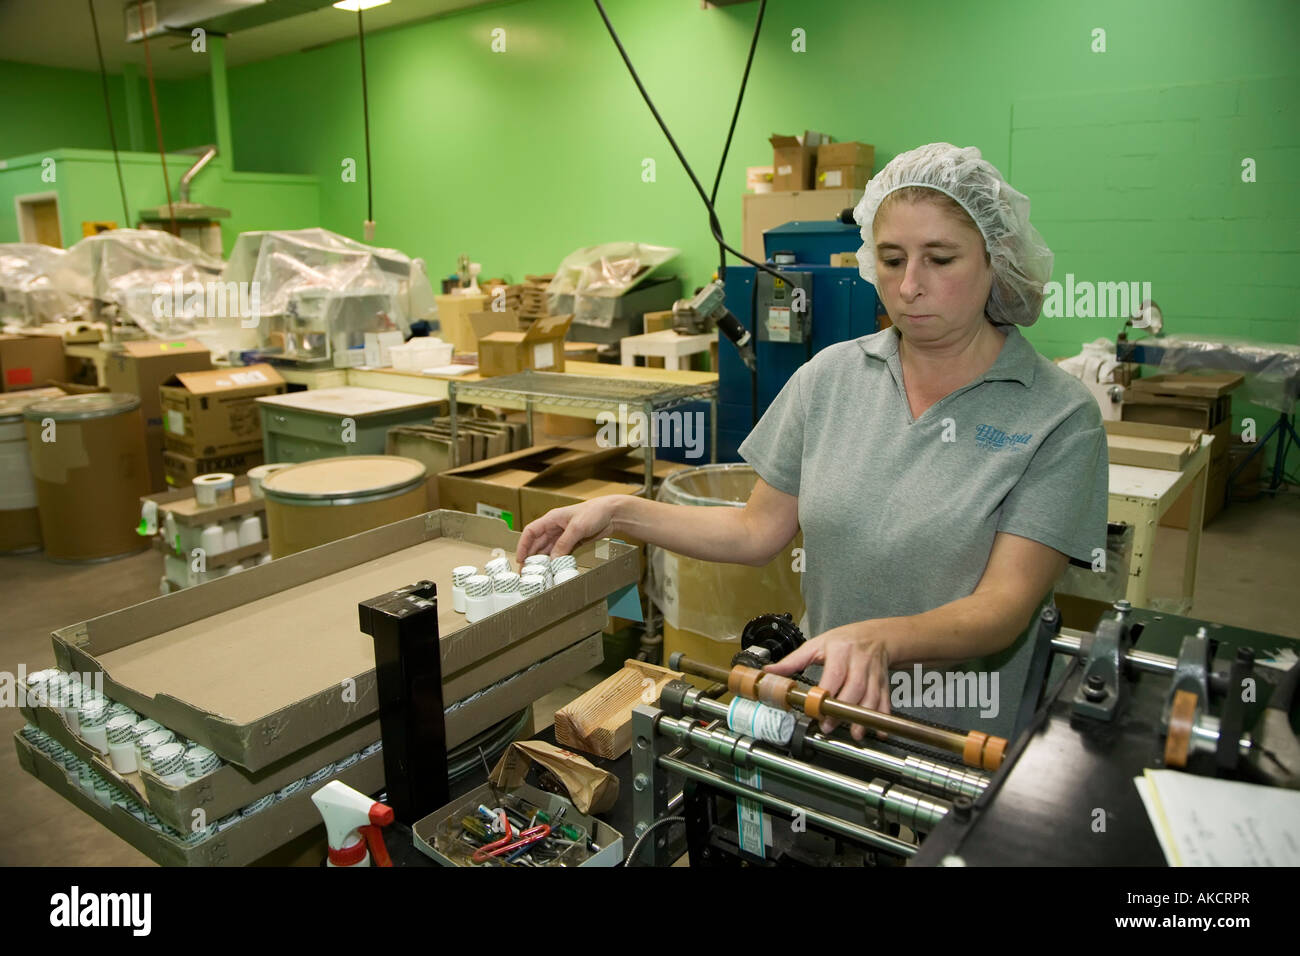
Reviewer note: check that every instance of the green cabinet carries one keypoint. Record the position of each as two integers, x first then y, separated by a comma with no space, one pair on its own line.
330,422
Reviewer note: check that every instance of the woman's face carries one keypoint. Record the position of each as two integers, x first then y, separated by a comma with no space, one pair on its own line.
932,273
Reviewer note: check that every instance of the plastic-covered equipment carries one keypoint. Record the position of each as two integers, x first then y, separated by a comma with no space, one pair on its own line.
604,272
711,599
152,278
1272,369
1020,259
28,294
320,292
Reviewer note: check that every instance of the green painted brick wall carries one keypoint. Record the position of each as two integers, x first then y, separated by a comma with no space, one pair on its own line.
1131,156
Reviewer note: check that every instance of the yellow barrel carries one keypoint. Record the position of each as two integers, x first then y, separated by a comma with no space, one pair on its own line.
706,604
91,468
321,501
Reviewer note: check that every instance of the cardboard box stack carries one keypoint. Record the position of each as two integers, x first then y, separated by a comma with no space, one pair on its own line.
188,661
211,418
503,296
30,361
1190,400
532,297
140,368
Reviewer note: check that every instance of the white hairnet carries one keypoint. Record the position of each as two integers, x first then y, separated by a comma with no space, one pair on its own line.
1019,257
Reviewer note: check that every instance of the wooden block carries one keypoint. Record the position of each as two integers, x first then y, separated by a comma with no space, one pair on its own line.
600,721
1150,446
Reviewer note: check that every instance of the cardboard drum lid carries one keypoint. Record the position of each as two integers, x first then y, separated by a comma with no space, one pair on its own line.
321,501
90,476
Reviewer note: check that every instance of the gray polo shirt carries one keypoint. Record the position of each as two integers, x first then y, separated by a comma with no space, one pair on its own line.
899,515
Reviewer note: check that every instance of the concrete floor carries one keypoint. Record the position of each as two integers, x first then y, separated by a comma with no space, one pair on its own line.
1248,575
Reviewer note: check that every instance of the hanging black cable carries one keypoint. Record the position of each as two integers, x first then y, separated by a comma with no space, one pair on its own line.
726,147
108,110
365,115
714,225
157,123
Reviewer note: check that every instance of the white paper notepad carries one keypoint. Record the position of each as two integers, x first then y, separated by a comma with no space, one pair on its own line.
1202,821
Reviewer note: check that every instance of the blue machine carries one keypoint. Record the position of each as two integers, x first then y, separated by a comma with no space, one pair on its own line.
842,306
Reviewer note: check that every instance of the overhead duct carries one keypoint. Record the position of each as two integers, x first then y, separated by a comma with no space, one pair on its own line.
162,17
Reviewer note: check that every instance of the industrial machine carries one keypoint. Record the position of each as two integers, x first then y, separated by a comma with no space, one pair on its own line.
756,782
788,321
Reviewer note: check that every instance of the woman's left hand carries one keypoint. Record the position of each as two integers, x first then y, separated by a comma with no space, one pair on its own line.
855,666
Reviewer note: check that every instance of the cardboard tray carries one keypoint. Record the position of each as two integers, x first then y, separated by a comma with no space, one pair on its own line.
239,845
217,794
260,665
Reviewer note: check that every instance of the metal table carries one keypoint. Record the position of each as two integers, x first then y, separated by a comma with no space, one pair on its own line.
557,393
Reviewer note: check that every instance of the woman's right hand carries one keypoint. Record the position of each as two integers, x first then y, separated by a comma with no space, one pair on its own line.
561,530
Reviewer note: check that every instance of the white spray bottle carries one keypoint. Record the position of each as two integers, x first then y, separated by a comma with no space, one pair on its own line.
352,822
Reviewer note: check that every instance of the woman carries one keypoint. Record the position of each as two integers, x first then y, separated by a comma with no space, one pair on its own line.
942,471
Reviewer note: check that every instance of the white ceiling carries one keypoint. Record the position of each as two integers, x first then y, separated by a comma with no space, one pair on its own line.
57,33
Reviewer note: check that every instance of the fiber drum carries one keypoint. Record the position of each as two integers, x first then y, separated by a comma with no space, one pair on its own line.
20,522
321,501
707,604
91,467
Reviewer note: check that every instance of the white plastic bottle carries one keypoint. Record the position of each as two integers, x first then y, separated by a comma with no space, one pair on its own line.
459,576
478,598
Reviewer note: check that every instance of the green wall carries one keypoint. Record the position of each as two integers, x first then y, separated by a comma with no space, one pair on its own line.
44,108
519,157
1132,157
87,187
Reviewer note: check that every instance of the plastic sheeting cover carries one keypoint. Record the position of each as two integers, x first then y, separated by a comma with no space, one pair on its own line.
328,286
28,295
1272,369
605,272
145,273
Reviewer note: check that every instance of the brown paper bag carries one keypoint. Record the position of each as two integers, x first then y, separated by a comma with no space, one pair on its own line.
591,789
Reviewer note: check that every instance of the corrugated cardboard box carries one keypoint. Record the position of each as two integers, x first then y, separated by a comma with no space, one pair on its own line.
30,361
793,160
255,666
506,351
846,154
180,470
140,368
213,412
842,177
569,482
491,488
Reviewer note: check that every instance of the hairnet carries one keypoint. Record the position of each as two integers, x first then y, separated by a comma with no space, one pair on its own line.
1018,256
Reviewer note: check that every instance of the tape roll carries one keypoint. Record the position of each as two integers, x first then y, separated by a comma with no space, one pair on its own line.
214,489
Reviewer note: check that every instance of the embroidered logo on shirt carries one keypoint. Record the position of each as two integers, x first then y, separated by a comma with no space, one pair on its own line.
991,437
